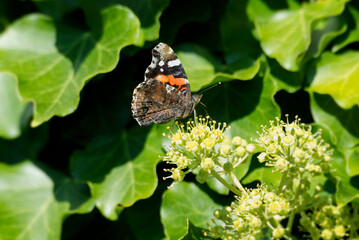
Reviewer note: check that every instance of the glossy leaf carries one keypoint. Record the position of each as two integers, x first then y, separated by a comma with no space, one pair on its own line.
193,232
265,175
341,123
53,62
244,105
353,162
285,35
120,169
185,201
11,107
352,34
207,70
240,47
32,205
337,75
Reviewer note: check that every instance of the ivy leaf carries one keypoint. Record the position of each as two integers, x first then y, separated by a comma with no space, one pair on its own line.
193,232
324,31
265,175
53,62
341,123
337,75
120,169
352,34
240,47
11,107
285,35
32,206
347,188
149,13
204,69
185,201
244,105
352,162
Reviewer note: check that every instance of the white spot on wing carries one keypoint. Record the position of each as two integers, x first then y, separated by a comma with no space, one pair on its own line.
161,63
161,69
174,63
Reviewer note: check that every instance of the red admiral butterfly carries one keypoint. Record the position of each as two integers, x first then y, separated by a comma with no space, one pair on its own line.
165,94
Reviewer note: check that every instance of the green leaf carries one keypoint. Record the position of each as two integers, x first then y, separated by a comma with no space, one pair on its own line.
185,201
341,123
347,189
337,75
244,105
11,107
139,214
324,31
120,169
287,80
265,175
53,62
29,208
149,13
352,34
353,162
285,35
238,41
193,232
204,69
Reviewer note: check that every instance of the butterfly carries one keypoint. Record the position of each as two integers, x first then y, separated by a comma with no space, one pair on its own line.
165,94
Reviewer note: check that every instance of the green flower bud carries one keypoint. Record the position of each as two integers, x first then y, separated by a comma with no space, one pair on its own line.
251,148
278,233
240,151
288,140
327,234
339,231
271,149
202,176
256,203
274,207
262,157
207,164
178,175
182,162
209,143
228,167
281,164
237,141
225,150
239,224
255,222
299,132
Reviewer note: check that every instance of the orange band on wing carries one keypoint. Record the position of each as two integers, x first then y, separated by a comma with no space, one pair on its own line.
180,82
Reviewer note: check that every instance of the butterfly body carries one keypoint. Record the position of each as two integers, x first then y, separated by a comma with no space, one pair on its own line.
165,93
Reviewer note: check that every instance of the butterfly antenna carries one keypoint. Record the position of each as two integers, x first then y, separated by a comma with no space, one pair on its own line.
215,85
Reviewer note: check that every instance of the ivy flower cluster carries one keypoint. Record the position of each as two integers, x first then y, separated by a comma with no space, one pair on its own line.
203,148
329,222
293,149
254,211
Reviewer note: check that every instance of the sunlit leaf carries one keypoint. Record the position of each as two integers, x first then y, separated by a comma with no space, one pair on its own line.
53,62
286,35
337,75
11,106
185,201
120,169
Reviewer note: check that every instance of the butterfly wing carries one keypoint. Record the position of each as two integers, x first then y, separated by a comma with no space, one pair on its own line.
165,94
153,102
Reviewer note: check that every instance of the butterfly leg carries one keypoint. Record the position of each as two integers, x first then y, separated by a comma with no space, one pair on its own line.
195,117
